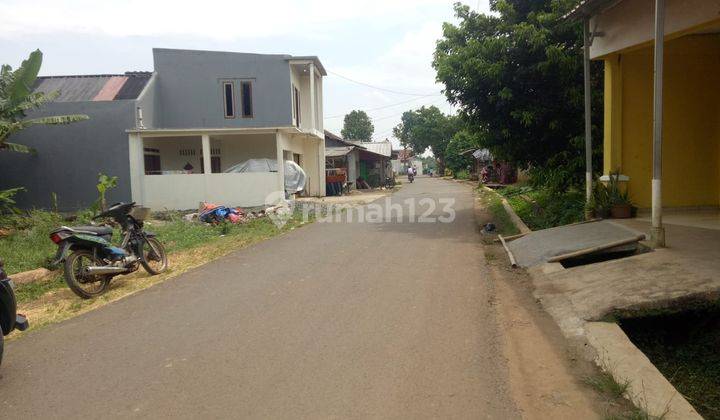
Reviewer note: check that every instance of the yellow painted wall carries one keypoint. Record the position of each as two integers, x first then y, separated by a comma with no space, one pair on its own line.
691,147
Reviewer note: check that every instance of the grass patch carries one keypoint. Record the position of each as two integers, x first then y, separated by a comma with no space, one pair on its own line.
634,414
606,384
28,246
189,245
500,216
542,209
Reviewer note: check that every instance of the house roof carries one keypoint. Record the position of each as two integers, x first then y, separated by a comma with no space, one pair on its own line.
588,8
338,151
378,147
332,136
95,87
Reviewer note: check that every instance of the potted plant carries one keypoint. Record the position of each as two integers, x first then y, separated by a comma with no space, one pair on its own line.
620,204
599,204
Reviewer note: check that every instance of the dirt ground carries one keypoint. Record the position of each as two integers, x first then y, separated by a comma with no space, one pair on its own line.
546,376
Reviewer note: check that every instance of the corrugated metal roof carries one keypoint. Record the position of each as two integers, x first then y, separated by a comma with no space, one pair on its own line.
338,151
379,147
99,87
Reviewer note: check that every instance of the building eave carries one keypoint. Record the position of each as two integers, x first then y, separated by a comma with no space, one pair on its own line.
588,8
169,132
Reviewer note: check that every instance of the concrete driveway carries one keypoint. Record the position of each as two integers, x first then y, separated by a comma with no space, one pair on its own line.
333,320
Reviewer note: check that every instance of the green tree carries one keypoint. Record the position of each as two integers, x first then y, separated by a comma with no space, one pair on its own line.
461,142
357,126
17,97
517,77
427,128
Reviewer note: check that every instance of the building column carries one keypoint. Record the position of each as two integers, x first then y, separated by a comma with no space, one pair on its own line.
313,116
207,162
280,164
657,232
588,110
136,154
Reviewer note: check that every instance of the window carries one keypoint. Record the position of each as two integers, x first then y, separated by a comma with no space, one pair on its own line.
152,162
247,104
215,163
229,99
296,105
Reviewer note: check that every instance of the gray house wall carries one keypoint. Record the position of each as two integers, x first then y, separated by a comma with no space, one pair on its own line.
70,156
188,87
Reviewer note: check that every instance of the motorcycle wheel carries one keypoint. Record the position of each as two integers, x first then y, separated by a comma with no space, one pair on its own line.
154,257
84,286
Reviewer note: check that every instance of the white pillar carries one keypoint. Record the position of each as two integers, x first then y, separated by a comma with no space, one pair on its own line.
136,154
321,168
657,232
207,162
280,163
313,117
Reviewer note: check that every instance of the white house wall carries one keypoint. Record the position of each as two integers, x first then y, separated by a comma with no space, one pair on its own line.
182,192
309,150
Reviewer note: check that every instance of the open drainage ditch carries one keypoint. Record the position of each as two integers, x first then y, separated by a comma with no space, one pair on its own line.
685,347
606,255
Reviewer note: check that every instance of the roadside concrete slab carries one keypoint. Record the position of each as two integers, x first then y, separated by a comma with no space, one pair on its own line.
648,388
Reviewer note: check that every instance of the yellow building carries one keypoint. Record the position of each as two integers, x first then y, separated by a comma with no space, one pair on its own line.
622,33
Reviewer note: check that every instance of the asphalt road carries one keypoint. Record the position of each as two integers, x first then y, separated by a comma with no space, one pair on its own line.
332,320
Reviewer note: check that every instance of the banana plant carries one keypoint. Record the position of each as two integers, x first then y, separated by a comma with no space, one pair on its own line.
17,97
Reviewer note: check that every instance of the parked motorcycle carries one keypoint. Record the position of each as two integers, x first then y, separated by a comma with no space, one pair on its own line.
90,259
9,319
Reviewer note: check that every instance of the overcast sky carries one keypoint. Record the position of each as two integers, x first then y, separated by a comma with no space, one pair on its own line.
384,43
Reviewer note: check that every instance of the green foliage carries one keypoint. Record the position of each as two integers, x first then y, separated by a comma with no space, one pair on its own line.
427,128
606,384
616,195
461,174
7,199
461,142
105,183
600,202
357,126
544,208
517,77
16,97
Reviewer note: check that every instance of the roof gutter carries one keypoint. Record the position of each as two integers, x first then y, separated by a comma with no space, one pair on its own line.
588,8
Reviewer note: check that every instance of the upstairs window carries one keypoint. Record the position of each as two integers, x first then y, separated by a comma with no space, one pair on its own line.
296,105
246,97
229,99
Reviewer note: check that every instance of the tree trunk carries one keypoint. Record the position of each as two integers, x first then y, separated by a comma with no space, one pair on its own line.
440,166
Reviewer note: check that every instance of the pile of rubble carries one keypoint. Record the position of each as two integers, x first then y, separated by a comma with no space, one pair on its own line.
214,214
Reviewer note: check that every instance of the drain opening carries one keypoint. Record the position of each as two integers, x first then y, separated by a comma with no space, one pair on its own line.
606,255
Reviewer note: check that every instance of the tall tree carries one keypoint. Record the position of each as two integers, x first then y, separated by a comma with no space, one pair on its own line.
517,77
17,97
357,126
427,128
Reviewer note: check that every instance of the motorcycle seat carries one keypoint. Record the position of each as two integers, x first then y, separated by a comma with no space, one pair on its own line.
98,230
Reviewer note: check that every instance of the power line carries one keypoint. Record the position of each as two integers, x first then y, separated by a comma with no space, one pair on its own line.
386,106
377,87
399,114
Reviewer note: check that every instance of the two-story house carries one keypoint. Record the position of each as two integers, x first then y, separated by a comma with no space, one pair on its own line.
170,135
